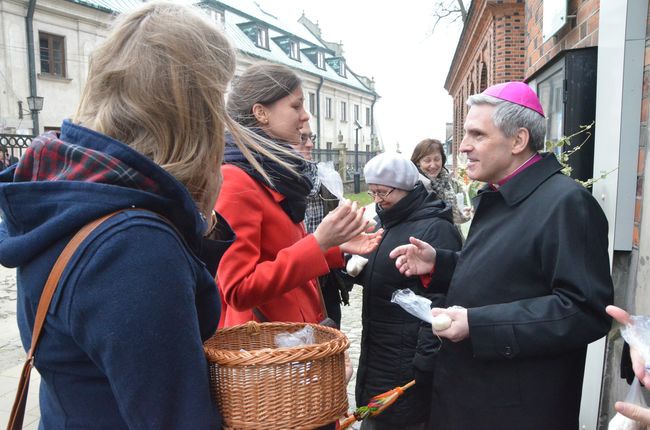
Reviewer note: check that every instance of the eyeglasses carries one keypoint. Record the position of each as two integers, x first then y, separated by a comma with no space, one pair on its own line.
305,137
380,195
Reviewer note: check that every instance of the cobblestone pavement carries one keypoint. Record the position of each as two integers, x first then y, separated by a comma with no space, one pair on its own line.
12,353
351,326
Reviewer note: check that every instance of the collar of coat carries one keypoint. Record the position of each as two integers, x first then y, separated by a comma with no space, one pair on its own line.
524,183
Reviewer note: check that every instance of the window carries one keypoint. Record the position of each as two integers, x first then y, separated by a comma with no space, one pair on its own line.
262,38
368,116
312,103
356,112
294,50
52,54
328,107
218,16
341,70
551,96
320,60
344,113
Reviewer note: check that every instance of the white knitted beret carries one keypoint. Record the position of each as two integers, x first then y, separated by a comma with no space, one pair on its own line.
391,170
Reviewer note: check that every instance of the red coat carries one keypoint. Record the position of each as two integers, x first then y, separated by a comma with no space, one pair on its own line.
273,263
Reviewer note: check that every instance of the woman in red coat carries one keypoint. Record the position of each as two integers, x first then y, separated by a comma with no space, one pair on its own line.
270,272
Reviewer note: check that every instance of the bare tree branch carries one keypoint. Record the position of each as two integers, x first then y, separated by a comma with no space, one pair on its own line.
449,9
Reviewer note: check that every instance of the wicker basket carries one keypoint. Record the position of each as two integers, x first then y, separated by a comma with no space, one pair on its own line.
258,386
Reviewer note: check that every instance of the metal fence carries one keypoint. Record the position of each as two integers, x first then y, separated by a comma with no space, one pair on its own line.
332,155
12,147
340,159
364,157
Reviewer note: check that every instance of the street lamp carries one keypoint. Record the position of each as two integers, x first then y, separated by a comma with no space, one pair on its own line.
357,175
35,104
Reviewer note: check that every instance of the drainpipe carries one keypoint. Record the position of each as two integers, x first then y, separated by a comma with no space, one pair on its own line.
318,131
372,121
29,19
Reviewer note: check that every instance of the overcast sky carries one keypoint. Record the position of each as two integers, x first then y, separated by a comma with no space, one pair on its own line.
392,42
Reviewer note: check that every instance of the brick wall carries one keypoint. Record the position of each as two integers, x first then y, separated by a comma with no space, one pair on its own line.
491,50
580,32
509,48
643,138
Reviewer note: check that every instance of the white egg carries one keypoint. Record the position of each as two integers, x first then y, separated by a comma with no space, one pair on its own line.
441,322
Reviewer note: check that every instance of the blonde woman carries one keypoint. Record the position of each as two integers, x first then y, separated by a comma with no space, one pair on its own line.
270,273
122,343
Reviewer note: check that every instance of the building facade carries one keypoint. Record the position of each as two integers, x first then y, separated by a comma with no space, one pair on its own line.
490,50
589,62
65,32
341,103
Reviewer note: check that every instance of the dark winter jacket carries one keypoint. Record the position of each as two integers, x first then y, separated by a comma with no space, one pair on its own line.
534,275
392,339
122,342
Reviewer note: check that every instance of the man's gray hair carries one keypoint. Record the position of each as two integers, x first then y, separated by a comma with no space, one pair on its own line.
510,117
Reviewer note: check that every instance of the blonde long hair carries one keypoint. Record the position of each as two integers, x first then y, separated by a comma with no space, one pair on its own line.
157,84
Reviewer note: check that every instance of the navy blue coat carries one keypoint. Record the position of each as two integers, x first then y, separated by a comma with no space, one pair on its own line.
122,343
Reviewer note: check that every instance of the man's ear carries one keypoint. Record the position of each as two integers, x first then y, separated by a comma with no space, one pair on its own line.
521,140
260,113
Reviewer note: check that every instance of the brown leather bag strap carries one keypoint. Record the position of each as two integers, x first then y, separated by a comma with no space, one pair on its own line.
18,410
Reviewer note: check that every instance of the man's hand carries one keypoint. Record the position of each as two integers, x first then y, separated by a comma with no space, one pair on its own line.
417,258
459,328
634,412
638,363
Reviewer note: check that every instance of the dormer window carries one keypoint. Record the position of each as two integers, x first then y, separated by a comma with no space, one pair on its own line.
257,33
342,69
338,64
262,37
294,50
218,16
290,46
320,60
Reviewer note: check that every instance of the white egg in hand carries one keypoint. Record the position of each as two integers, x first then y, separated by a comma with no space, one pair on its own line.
441,322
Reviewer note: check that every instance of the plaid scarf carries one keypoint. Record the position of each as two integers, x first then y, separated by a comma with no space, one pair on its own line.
315,211
49,158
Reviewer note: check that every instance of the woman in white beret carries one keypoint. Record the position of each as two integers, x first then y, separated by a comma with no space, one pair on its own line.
395,346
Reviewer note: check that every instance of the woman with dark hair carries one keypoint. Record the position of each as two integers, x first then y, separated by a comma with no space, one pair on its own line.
270,272
430,159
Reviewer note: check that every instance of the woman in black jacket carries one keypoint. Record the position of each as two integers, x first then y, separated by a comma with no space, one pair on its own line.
396,347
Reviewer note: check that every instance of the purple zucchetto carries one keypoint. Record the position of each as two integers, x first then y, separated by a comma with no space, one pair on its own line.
518,93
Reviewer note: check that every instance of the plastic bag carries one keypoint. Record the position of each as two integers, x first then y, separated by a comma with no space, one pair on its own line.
420,307
304,336
330,178
637,335
621,422
417,306
355,265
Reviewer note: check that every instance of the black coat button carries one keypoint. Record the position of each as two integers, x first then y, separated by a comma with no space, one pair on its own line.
507,351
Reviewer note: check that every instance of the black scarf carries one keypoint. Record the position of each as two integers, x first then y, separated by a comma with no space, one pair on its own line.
294,189
403,208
